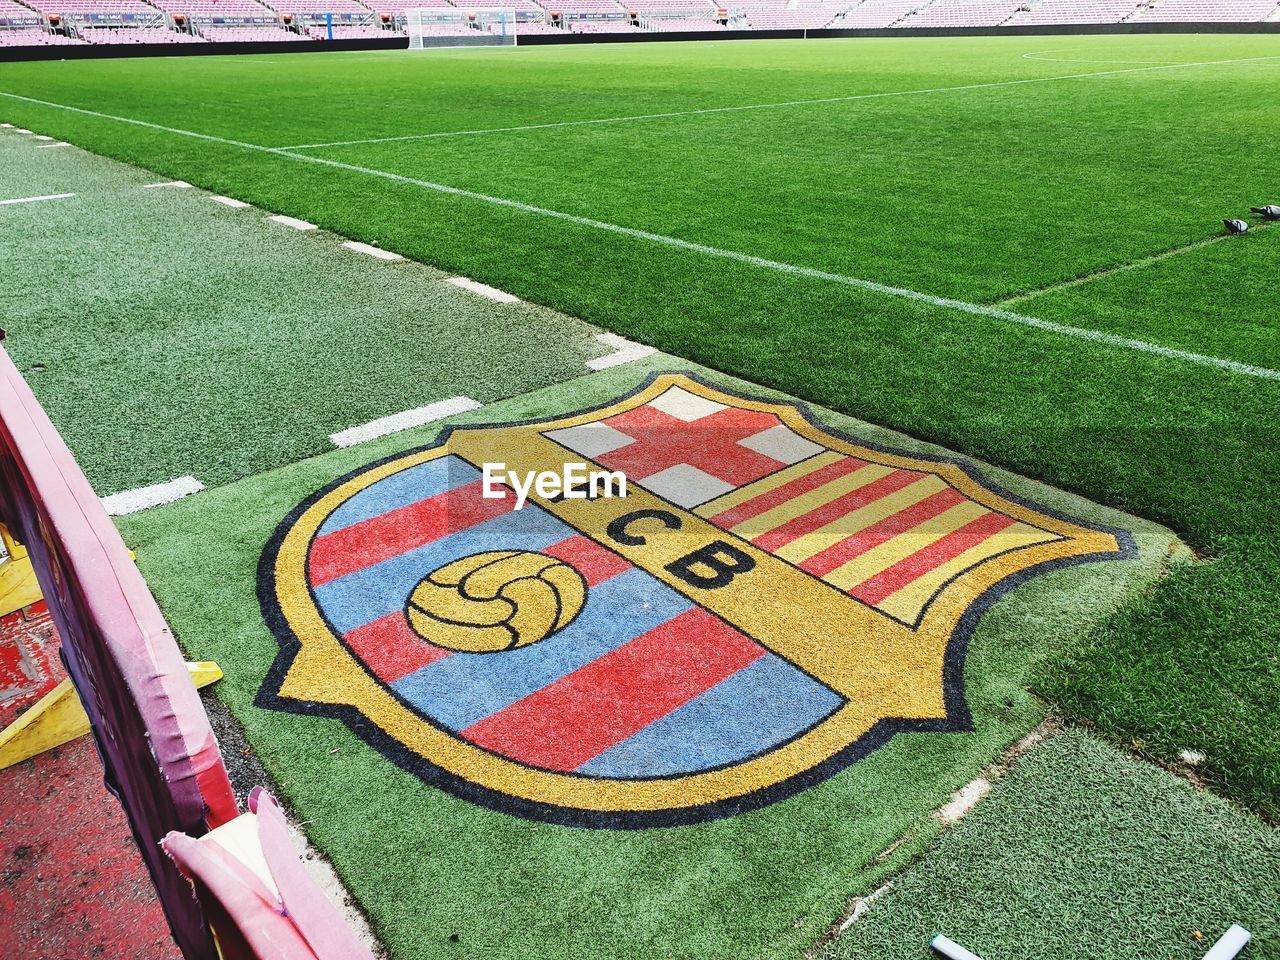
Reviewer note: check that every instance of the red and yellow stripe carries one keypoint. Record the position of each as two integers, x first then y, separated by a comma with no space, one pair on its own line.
889,537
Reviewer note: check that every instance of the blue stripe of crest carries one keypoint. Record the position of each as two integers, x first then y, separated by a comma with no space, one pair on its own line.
761,706
401,489
464,688
365,595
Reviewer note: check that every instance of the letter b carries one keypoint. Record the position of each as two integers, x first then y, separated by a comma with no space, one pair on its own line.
722,561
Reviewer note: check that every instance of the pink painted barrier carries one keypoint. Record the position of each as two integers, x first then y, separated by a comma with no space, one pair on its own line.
158,752
282,915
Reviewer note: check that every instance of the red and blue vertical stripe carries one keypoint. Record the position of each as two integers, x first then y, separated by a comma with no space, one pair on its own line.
642,684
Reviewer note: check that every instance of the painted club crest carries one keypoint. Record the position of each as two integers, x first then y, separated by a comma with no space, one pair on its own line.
768,603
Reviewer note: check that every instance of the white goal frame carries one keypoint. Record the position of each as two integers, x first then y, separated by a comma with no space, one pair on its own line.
491,26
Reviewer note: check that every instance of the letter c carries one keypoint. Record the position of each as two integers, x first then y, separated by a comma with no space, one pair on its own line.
617,528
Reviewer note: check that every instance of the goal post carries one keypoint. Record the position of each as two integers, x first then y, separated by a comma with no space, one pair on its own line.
430,27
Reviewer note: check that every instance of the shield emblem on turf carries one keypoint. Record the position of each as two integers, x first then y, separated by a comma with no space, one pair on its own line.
769,602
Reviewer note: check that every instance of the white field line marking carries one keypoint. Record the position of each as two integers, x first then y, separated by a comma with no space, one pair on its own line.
292,222
46,146
962,306
625,351
41,136
1039,59
964,800
1122,268
763,106
179,184
372,251
863,904
6,126
1036,55
131,501
230,202
403,421
483,289
51,196
20,130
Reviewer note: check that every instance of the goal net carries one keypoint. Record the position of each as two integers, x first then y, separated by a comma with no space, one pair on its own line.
460,27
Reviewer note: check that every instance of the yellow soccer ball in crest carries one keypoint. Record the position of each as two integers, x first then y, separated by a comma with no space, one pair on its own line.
497,600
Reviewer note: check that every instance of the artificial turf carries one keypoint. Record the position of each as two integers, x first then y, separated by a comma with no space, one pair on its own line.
1089,855
978,193
168,335
429,866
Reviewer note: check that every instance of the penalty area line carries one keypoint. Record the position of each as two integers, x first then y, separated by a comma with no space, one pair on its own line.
707,111
1121,268
903,293
962,306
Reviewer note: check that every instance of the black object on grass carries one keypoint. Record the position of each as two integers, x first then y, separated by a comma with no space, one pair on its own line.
1269,212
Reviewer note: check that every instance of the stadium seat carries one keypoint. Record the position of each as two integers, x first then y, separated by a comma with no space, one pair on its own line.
34,37
1206,11
1075,11
962,13
136,35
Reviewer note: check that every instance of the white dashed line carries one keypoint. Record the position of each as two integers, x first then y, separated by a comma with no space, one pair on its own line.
21,130
625,351
41,136
483,289
230,202
179,184
403,421
52,196
964,800
293,222
46,146
378,252
143,498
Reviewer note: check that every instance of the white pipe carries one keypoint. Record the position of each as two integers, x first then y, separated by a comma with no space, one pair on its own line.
1229,944
953,951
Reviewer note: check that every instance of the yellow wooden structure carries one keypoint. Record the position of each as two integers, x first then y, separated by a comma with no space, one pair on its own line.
18,587
58,717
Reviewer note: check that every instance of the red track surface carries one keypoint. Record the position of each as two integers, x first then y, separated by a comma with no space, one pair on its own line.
71,884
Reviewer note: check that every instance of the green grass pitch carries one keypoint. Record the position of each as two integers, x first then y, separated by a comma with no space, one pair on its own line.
1078,833
667,191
